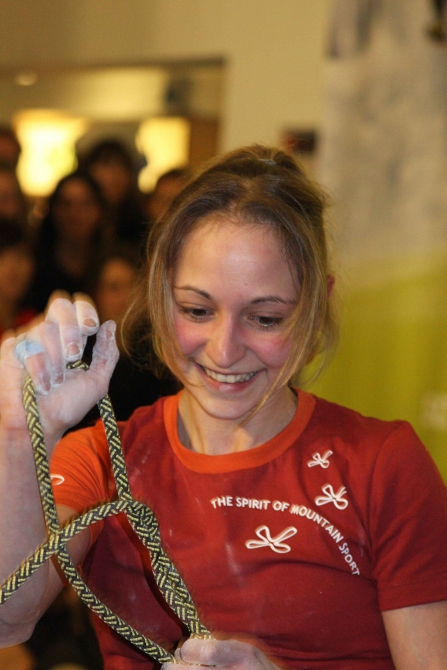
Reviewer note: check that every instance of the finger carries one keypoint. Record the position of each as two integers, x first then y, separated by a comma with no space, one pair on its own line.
57,295
32,356
178,657
220,653
202,652
48,334
86,314
105,355
41,353
63,313
87,317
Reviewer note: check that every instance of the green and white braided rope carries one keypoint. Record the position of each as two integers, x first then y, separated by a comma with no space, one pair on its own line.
139,515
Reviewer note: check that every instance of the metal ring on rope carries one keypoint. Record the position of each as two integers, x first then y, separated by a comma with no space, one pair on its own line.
139,515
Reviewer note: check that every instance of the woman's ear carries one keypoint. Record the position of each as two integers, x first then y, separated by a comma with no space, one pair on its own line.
330,284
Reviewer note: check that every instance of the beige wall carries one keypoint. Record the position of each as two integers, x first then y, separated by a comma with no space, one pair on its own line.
273,48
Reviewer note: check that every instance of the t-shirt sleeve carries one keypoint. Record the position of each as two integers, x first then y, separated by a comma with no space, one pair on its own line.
81,472
408,523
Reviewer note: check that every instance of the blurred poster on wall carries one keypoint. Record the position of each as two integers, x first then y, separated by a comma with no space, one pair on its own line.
383,159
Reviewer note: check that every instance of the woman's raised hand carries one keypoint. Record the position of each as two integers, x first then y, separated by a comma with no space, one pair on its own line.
64,396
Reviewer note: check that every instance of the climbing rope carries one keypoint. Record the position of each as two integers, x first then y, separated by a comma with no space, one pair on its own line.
139,515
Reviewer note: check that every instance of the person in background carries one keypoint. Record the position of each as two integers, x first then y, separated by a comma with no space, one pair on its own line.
10,148
113,284
111,164
16,273
13,204
133,384
71,237
167,187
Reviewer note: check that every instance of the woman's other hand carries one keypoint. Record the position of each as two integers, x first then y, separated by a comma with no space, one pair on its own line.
221,654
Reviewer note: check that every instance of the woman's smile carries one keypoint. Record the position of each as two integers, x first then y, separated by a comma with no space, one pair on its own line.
226,378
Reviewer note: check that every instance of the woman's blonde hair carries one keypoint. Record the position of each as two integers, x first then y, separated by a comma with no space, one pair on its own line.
254,185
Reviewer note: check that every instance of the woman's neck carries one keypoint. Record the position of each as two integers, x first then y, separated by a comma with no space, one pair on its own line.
201,432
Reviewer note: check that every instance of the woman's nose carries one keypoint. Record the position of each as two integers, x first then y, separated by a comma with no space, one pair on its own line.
225,345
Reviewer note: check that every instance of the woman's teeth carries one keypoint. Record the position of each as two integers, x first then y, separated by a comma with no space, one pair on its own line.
228,379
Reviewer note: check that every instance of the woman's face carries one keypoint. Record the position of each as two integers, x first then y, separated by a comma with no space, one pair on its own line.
76,211
233,291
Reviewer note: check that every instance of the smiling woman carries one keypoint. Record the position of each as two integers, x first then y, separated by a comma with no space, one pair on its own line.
314,534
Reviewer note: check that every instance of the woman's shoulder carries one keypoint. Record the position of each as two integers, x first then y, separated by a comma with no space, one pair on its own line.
335,418
357,434
383,465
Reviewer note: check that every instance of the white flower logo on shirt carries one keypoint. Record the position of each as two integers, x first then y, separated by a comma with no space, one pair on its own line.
332,497
276,544
317,459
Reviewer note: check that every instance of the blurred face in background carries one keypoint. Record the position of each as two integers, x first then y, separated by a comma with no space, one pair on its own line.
114,291
16,271
11,202
77,212
114,178
163,195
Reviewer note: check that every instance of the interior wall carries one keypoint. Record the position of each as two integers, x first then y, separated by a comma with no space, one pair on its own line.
274,50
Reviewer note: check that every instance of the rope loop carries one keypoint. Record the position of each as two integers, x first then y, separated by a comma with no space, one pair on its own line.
140,516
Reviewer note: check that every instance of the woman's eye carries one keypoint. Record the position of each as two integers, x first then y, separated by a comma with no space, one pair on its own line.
196,313
268,322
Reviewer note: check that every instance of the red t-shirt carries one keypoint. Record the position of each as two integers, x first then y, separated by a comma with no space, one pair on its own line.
298,543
